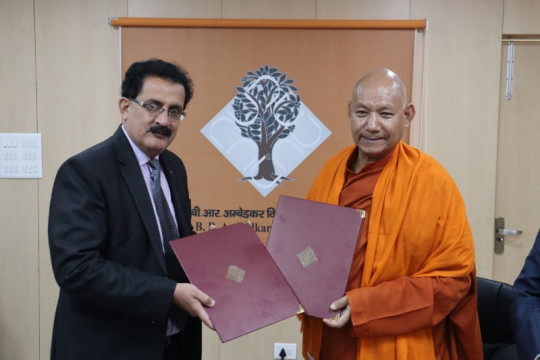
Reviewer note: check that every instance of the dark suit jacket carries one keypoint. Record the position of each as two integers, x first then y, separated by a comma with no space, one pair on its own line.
115,290
526,305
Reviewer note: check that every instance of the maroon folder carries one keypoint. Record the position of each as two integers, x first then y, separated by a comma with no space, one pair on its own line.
306,262
313,245
232,266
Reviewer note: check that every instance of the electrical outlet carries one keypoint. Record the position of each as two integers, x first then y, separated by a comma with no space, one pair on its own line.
290,350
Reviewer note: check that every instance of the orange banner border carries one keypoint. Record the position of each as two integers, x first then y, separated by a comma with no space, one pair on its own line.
263,23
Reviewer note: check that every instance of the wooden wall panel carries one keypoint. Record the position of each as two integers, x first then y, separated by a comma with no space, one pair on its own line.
363,9
78,86
175,8
268,9
521,17
19,285
17,70
461,104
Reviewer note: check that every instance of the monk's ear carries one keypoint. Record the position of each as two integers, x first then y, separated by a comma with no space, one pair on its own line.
409,113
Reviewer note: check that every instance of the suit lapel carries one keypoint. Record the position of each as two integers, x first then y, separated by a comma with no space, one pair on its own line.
131,172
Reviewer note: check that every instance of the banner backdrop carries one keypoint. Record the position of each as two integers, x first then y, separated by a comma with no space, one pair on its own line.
269,108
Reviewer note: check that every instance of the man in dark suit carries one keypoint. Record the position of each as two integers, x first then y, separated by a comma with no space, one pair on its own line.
123,295
526,306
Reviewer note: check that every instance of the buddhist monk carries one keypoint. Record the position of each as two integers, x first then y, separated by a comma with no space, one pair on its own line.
411,291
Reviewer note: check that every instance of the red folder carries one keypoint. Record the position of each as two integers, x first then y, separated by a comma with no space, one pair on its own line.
232,266
306,261
313,245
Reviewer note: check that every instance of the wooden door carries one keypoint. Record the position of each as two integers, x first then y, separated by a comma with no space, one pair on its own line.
518,163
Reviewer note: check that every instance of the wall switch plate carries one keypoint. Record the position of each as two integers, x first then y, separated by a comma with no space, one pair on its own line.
20,156
290,350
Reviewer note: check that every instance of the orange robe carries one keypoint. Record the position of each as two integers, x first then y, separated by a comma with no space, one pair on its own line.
413,296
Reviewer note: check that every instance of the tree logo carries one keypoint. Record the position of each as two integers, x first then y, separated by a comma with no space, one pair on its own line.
265,131
266,107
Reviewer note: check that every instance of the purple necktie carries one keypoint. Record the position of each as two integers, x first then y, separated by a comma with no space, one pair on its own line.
169,231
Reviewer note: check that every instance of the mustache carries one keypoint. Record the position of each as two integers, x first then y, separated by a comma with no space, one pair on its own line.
161,130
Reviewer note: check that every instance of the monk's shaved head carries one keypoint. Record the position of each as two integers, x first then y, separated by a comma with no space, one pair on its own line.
383,81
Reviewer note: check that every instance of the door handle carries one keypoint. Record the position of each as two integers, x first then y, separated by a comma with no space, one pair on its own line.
509,232
500,233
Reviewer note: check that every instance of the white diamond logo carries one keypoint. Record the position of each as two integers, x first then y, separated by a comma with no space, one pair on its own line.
265,131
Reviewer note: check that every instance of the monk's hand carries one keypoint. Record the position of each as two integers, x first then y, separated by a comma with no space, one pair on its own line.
344,315
193,301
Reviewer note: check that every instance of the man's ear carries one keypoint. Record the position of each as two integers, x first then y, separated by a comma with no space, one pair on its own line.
123,105
409,113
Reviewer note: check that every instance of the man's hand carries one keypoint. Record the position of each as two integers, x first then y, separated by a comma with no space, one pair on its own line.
344,316
193,300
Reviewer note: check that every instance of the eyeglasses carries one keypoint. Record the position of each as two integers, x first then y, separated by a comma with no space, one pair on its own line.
155,110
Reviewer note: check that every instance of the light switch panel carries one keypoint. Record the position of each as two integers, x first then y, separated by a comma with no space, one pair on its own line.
20,155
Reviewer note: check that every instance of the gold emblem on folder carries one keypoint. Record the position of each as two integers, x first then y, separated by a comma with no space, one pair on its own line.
362,213
307,257
235,274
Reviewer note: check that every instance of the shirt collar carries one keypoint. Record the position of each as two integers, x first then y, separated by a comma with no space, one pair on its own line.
142,158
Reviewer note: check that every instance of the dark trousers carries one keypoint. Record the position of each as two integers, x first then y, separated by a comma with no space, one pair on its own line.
174,347
186,345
